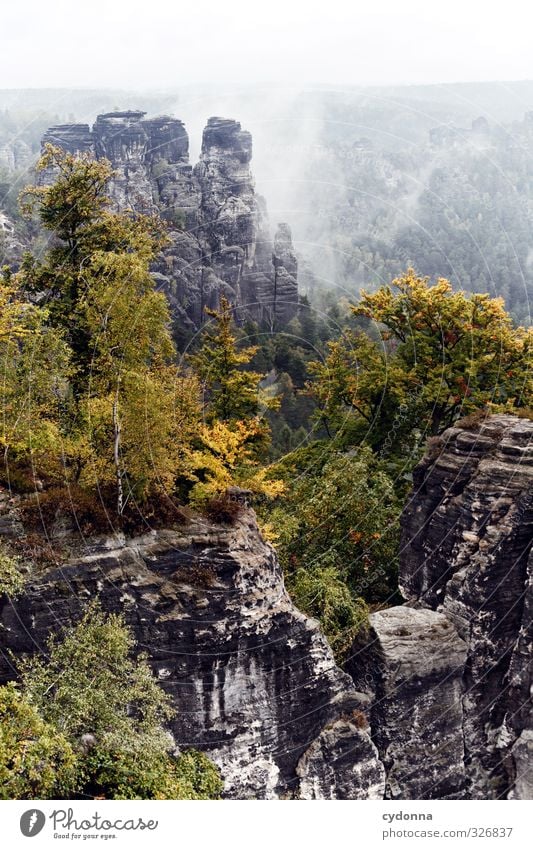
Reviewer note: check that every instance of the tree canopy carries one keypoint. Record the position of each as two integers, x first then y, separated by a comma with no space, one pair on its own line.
91,387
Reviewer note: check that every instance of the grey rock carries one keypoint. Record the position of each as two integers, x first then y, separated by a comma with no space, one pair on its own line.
522,758
219,235
253,680
11,247
466,552
73,138
341,764
15,154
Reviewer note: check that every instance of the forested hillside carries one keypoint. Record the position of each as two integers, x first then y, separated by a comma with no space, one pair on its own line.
453,201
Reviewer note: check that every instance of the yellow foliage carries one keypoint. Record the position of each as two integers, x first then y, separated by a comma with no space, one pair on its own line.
34,367
268,532
157,410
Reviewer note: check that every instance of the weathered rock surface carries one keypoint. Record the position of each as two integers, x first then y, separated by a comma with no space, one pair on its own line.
253,680
220,238
15,154
448,675
340,764
444,680
467,553
11,248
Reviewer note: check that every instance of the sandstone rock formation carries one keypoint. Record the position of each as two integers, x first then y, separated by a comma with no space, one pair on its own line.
15,154
449,675
253,680
467,538
411,665
219,233
11,248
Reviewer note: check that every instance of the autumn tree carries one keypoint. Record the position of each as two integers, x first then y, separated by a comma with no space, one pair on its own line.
233,435
131,412
440,354
358,388
34,373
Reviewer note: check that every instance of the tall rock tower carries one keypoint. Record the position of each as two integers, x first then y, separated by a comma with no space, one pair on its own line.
220,240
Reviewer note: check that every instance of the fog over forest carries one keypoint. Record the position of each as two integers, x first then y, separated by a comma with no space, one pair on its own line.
370,179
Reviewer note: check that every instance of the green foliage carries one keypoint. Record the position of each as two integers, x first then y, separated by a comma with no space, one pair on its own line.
233,437
93,395
323,593
344,514
92,705
198,776
101,342
358,389
36,759
144,773
337,536
284,358
11,578
35,367
77,196
442,354
90,683
231,392
160,168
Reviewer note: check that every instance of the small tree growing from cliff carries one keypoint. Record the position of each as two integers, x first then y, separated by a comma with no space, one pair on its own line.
441,354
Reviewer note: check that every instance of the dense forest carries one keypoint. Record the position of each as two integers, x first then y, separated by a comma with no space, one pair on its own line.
454,202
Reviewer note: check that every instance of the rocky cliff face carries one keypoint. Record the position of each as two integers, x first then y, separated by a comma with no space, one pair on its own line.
15,155
219,230
253,680
410,665
443,680
11,248
467,538
449,674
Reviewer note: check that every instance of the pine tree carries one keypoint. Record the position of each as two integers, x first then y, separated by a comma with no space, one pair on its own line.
233,436
230,392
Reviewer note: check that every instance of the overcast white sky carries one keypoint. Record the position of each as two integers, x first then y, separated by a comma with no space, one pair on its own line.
156,43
